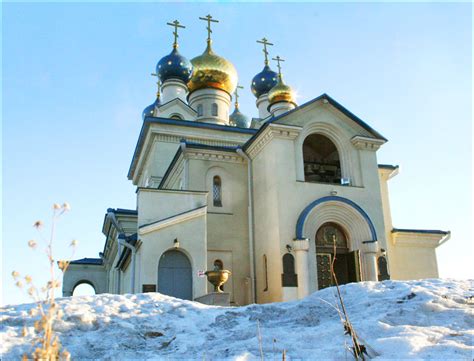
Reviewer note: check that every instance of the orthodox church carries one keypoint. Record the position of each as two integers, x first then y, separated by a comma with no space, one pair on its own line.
274,199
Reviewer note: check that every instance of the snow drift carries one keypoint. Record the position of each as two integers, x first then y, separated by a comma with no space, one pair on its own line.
428,319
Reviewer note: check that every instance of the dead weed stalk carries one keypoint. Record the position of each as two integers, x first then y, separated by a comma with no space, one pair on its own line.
45,342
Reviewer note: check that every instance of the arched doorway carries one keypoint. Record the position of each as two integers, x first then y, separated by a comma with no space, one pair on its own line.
321,160
83,288
346,263
175,275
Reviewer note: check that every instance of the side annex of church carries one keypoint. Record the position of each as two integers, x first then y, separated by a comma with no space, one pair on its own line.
273,199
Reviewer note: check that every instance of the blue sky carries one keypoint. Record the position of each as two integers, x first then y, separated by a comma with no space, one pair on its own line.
76,78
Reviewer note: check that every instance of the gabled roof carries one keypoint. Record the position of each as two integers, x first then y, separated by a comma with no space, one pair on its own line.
193,145
184,123
339,107
88,261
321,97
177,100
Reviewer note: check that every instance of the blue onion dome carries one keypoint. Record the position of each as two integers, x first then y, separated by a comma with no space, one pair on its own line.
149,110
174,66
264,81
239,120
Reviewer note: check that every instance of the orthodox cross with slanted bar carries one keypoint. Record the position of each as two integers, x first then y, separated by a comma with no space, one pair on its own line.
265,43
209,19
176,25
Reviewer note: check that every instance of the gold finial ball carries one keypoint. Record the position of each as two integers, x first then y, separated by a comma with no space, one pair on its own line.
281,93
212,71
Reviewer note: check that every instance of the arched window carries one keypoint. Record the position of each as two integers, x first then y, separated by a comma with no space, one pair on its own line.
217,191
199,110
321,160
289,277
177,116
214,109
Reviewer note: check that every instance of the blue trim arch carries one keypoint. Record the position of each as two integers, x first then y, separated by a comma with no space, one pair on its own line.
304,215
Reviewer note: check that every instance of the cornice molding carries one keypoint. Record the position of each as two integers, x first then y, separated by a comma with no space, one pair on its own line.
215,155
273,131
366,143
409,239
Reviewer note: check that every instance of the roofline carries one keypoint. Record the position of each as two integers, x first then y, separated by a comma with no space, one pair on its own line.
122,211
171,217
388,166
170,167
339,107
249,142
178,122
132,240
422,231
192,145
88,261
172,100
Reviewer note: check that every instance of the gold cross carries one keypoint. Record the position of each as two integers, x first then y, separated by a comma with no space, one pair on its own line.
176,25
209,19
278,60
158,83
236,93
265,42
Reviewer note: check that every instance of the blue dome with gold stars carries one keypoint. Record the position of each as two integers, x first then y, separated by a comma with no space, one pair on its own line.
174,66
239,120
149,110
264,81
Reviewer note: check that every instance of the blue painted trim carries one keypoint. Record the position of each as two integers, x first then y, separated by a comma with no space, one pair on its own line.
304,215
424,231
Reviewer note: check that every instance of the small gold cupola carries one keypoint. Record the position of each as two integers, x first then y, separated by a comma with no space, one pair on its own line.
281,92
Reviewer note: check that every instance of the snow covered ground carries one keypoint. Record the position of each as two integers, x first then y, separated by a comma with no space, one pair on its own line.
428,319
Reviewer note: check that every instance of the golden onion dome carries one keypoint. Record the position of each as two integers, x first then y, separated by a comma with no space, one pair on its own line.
281,93
212,71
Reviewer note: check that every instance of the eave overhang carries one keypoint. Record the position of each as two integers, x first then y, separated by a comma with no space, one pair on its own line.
423,238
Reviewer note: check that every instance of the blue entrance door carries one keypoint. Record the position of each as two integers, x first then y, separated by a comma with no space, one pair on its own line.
175,275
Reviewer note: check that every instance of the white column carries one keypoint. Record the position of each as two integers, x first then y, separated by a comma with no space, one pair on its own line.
172,89
262,105
208,98
301,248
281,108
370,251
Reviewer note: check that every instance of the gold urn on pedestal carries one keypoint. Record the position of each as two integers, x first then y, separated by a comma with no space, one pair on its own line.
217,278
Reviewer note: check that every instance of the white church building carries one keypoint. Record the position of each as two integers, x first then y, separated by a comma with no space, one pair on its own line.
265,198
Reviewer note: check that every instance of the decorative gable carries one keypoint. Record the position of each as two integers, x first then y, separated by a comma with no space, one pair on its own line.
176,109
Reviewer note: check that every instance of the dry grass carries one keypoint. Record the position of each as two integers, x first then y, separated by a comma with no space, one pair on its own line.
45,343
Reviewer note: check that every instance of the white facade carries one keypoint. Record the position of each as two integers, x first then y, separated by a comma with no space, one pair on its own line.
262,202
